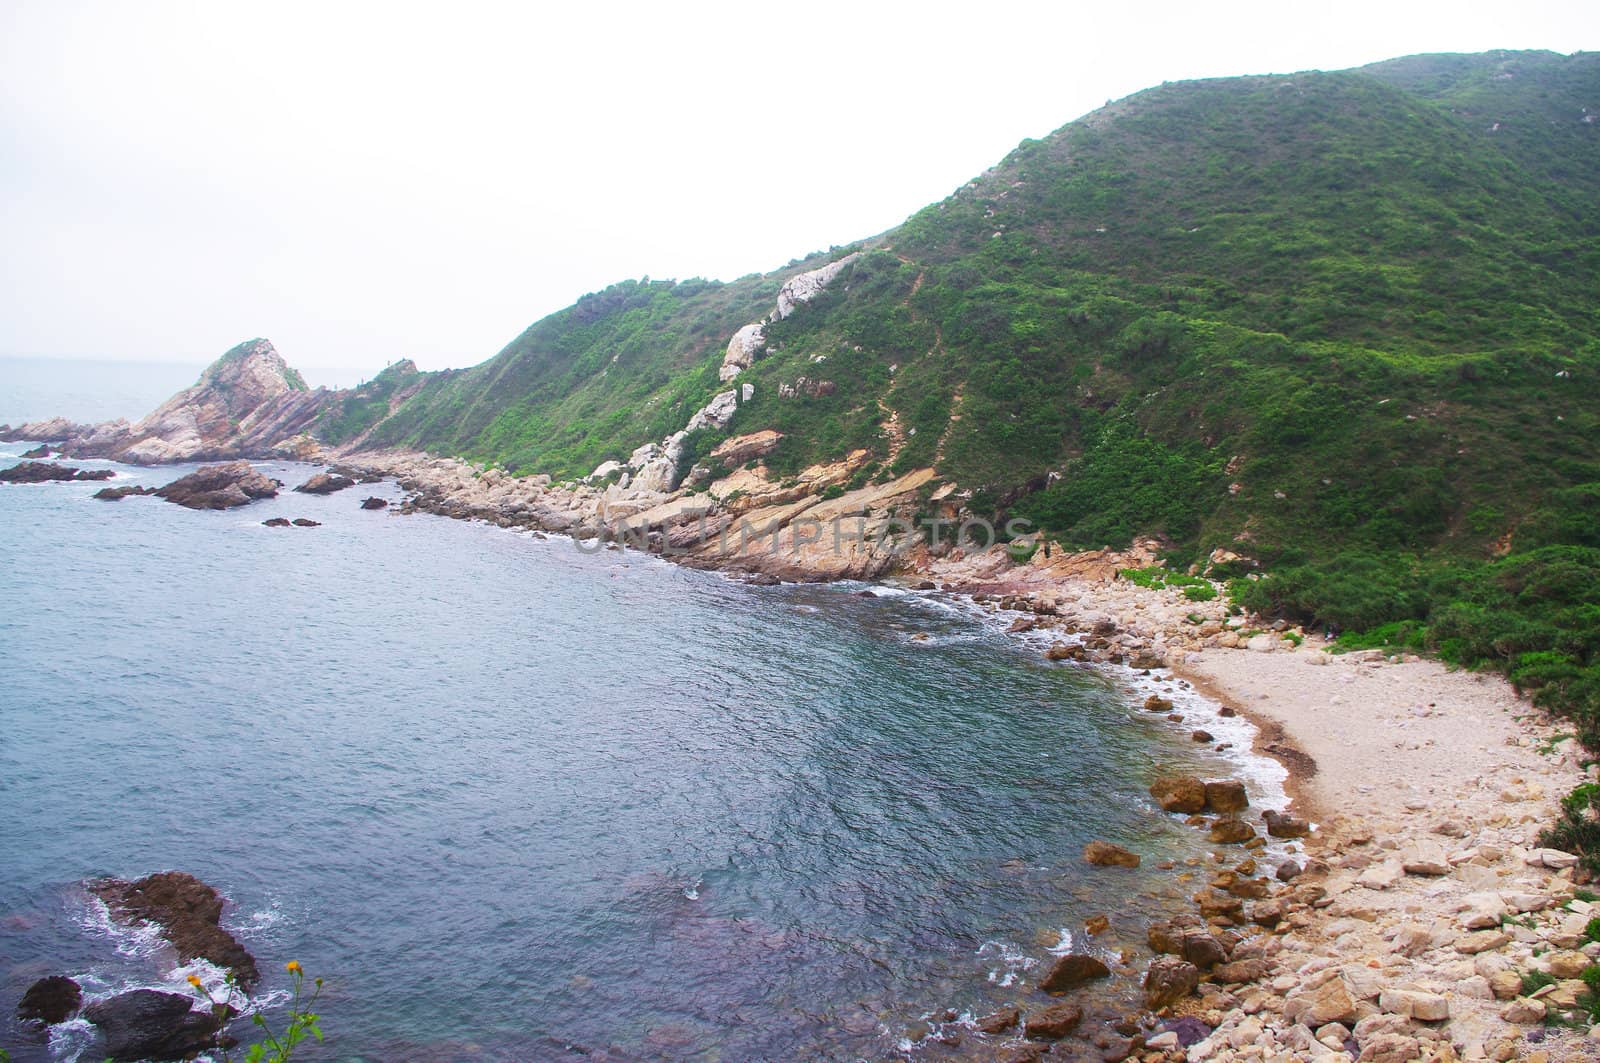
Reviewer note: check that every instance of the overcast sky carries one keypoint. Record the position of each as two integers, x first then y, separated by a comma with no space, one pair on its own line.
361,182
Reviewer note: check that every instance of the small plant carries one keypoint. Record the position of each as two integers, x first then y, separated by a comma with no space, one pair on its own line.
303,1021
1534,981
1021,553
1592,931
1587,896
832,491
1203,592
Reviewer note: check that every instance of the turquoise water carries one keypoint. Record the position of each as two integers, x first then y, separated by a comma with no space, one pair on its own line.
517,801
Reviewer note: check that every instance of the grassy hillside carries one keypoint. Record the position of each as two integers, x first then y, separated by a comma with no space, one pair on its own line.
1343,324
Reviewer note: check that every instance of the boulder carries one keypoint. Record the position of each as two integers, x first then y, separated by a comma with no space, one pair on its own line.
1230,830
325,483
304,522
1157,703
1064,651
50,1000
1225,796
1203,736
374,503
1072,970
38,472
1052,1023
149,1024
40,451
1281,825
1241,971
1426,858
1168,981
276,522
1424,1007
1329,1002
1104,854
220,487
1179,793
188,911
1145,661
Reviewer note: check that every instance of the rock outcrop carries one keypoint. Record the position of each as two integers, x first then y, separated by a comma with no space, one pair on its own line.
38,472
750,341
150,1024
325,483
246,403
188,911
220,487
51,1000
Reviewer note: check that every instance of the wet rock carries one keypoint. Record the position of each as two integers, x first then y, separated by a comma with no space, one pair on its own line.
1190,1030
149,1024
276,522
220,487
1105,854
304,522
1179,793
1226,796
1157,703
1230,830
1287,871
1072,970
1065,651
50,1000
1145,661
999,1021
1280,825
1203,736
374,503
188,911
38,472
324,483
1052,1023
1168,981
40,451
117,494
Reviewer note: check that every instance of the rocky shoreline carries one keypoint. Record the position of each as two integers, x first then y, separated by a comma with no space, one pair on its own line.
1419,919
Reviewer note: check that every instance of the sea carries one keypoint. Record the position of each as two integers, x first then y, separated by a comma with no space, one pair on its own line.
516,798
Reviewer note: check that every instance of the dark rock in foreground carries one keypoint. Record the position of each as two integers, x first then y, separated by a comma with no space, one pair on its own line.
38,472
150,1024
325,484
1071,971
188,910
374,503
220,487
117,494
50,1000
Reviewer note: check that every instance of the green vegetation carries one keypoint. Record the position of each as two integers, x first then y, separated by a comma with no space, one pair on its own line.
1342,324
272,1048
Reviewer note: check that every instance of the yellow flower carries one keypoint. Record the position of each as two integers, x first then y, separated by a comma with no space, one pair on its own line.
194,980
293,966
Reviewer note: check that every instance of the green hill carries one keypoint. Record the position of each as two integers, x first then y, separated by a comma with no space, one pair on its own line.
1343,324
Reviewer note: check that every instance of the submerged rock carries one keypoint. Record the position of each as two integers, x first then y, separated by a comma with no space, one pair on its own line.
188,910
374,503
150,1024
38,472
1104,854
50,1000
305,522
1052,1023
220,487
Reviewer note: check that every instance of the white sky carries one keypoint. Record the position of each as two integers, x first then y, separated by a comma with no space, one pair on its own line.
361,182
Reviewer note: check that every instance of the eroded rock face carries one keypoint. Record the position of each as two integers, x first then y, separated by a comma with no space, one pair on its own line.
149,1024
220,487
50,1000
246,402
188,911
